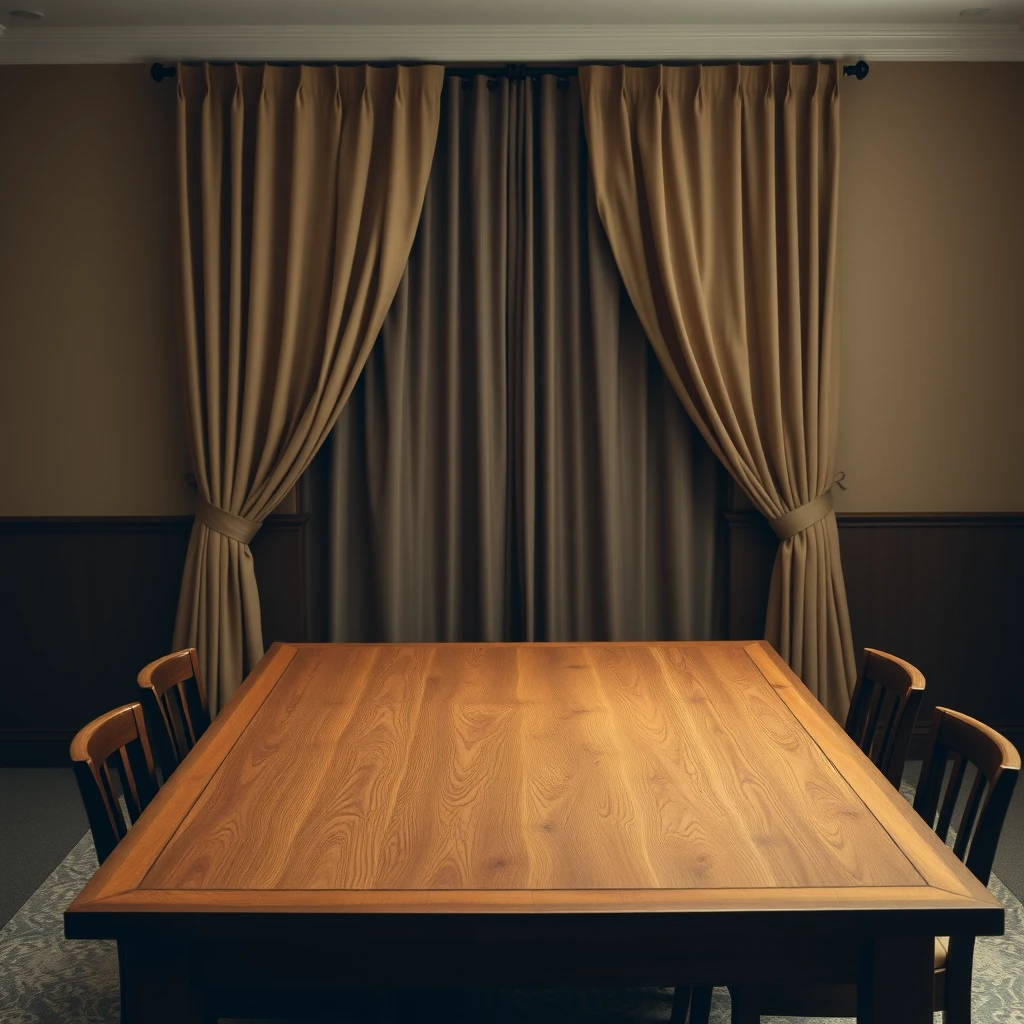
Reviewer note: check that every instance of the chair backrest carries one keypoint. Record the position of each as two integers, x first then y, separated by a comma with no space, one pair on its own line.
177,700
968,742
883,710
112,757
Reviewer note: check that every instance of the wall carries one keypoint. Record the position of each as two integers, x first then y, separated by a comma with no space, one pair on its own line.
932,201
932,217
90,395
91,421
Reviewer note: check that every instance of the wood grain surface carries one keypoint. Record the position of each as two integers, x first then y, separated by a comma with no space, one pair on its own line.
547,767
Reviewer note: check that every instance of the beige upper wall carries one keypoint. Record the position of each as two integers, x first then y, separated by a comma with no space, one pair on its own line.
91,416
932,228
932,285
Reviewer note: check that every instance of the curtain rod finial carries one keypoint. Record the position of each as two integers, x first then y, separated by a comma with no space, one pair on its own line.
859,70
159,72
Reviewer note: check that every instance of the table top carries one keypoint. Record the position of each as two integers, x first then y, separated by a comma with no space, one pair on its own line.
504,778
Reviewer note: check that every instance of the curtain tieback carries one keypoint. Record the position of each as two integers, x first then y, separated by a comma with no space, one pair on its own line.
792,523
235,527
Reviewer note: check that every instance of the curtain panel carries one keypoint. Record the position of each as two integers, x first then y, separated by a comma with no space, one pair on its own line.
300,189
718,188
514,463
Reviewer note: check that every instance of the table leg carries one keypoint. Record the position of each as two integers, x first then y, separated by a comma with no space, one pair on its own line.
896,981
745,1004
680,1004
156,985
700,1004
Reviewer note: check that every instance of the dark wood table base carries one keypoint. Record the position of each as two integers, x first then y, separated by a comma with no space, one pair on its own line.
189,983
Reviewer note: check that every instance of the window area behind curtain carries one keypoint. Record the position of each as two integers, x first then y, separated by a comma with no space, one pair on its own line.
513,463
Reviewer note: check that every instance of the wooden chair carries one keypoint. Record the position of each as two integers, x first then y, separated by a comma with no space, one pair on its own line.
111,755
175,703
966,742
883,711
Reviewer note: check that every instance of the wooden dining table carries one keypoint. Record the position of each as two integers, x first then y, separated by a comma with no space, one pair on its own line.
403,816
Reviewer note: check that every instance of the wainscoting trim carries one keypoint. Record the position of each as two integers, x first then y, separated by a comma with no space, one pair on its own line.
29,748
921,520
134,524
905,519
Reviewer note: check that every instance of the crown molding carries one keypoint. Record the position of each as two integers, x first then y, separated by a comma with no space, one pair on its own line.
36,44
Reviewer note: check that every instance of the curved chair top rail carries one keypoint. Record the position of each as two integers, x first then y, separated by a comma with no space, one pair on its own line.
172,670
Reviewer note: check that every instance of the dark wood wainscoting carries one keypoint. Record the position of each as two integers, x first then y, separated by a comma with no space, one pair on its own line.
942,590
86,602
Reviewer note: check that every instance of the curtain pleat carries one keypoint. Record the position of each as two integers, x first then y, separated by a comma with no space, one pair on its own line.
718,188
514,463
300,190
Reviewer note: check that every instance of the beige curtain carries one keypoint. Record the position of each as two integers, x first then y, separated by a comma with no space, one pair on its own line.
718,187
514,463
300,189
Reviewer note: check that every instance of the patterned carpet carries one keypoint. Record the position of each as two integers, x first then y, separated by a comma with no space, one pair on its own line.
46,979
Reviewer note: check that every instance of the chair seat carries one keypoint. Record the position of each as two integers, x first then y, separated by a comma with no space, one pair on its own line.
941,950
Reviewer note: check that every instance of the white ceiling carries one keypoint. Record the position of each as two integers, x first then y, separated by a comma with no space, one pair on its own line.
503,12
133,30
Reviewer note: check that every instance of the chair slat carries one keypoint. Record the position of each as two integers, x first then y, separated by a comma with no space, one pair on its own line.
965,828
176,719
888,729
868,741
956,779
110,787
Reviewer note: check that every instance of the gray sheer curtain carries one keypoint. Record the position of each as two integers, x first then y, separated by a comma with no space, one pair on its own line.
513,462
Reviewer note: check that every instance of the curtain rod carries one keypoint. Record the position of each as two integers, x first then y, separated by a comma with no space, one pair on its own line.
517,72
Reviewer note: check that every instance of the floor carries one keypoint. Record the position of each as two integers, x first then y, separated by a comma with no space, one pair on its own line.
41,820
